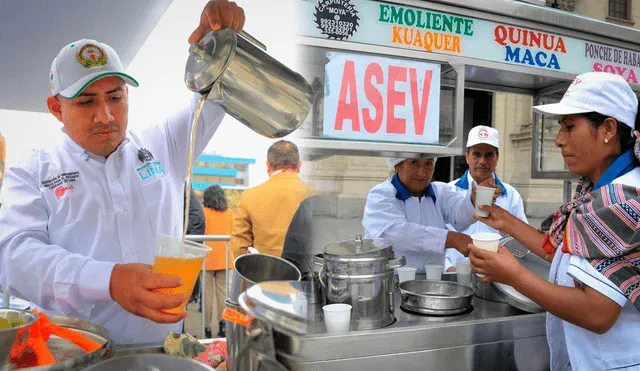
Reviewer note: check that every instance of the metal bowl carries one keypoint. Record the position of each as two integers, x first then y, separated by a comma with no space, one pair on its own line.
149,362
436,297
14,336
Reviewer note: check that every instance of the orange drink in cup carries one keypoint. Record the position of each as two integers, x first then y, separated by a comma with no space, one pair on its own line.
186,264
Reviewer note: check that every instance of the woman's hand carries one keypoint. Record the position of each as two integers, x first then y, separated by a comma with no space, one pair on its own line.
498,218
499,266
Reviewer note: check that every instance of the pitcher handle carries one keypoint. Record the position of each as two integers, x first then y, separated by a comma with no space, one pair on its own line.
397,262
321,277
253,40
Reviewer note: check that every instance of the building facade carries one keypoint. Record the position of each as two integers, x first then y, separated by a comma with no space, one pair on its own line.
231,173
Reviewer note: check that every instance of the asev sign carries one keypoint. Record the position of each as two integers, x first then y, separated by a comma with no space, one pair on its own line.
381,99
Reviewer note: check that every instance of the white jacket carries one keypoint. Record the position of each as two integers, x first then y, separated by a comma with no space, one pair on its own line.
415,226
509,199
69,217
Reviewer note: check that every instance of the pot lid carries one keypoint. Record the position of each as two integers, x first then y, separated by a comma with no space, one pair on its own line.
208,59
357,246
533,263
283,304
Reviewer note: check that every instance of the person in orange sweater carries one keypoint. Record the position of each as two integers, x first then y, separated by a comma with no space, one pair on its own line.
265,212
218,221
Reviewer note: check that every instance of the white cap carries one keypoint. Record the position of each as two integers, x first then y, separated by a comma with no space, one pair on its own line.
602,92
393,161
82,62
483,135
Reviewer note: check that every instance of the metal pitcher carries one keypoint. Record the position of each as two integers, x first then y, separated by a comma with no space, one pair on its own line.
260,92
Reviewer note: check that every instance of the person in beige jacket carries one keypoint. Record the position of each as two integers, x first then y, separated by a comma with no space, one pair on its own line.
264,213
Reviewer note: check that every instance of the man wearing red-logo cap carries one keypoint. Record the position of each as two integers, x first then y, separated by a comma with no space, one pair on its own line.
482,157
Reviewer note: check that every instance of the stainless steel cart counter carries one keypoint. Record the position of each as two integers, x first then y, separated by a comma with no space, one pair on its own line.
493,336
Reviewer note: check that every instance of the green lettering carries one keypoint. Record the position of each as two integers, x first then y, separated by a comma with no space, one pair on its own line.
468,23
409,17
447,23
396,15
437,22
420,23
384,13
459,21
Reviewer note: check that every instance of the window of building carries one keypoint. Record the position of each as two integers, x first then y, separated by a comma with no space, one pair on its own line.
620,9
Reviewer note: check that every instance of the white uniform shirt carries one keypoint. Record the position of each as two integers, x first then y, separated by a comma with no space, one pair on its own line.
509,199
69,216
578,349
415,226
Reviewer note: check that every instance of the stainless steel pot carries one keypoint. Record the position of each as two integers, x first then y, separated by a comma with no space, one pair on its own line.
249,85
436,297
359,272
250,269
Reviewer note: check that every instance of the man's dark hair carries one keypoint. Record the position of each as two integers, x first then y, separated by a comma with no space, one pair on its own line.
283,155
214,198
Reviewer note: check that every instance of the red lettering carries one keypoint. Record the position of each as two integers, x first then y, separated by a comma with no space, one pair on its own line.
500,34
560,47
633,78
348,111
395,98
620,70
420,109
597,67
372,125
609,68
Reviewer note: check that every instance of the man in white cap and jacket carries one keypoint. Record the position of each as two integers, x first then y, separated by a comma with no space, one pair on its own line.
482,157
411,212
80,219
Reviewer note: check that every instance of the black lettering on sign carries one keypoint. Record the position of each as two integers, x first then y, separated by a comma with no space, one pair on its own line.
338,19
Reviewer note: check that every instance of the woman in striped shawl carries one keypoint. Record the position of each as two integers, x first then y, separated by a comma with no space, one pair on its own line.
593,293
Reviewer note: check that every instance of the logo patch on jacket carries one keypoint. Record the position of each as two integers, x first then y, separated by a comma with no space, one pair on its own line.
144,155
61,190
62,183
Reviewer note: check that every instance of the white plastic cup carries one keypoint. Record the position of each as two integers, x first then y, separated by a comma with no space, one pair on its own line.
406,274
337,318
434,271
463,272
486,241
484,196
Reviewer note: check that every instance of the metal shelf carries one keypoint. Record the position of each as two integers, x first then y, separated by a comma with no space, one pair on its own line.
314,148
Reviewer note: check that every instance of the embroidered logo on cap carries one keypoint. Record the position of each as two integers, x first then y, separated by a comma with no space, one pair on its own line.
483,134
51,80
91,55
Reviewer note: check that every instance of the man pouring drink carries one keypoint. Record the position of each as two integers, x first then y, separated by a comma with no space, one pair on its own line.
80,220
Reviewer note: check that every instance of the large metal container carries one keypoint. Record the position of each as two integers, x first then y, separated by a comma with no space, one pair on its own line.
14,338
360,273
68,356
257,90
250,269
436,297
278,313
150,362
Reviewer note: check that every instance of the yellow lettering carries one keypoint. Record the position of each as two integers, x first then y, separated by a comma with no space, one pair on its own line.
447,43
456,45
417,41
428,41
397,39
